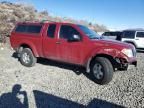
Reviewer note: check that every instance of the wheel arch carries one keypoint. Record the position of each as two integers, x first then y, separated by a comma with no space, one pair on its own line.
109,57
25,45
131,42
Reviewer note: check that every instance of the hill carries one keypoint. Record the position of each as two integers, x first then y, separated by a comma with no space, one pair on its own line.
10,13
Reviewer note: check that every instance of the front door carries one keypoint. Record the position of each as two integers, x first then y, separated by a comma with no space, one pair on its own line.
69,51
140,39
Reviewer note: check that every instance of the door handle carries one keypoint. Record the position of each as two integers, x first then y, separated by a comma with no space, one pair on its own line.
58,42
136,39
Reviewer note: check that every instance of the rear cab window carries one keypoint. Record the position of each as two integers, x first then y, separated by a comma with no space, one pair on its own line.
28,28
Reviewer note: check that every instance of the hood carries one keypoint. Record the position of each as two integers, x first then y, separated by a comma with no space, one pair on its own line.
114,43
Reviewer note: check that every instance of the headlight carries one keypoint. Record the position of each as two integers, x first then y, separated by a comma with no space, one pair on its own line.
128,52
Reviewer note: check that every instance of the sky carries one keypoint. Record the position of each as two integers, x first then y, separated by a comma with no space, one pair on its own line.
114,14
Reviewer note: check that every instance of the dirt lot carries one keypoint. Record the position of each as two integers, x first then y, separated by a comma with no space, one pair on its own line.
55,85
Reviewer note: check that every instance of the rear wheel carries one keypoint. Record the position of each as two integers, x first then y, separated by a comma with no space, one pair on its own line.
101,70
27,58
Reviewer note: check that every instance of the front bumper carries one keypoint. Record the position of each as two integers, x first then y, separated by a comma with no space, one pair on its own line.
125,63
132,61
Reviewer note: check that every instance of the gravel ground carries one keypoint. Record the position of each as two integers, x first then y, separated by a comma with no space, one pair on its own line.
55,85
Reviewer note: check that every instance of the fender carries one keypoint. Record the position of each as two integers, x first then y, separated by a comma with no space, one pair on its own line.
100,51
103,51
31,46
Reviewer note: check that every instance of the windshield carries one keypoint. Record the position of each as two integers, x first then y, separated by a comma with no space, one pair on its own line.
90,33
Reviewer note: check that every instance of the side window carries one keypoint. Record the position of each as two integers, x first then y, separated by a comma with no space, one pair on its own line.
28,28
129,34
140,34
21,28
106,34
67,32
51,30
34,28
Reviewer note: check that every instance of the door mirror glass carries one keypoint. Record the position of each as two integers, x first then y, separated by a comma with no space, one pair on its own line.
74,38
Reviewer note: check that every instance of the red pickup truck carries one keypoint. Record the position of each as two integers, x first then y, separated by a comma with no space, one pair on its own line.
74,44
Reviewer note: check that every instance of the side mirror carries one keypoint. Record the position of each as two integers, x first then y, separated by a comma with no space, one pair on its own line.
74,38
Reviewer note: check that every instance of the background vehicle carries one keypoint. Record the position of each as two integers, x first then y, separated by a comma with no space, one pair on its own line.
113,35
134,37
74,44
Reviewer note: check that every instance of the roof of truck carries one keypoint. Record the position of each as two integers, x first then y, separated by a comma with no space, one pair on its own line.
41,22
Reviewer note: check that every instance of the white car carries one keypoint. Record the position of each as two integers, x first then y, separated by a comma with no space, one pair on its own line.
135,37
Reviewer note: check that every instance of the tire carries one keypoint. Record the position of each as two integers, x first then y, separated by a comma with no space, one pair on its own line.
27,58
101,71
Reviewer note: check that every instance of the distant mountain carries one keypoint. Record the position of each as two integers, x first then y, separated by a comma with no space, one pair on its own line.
10,13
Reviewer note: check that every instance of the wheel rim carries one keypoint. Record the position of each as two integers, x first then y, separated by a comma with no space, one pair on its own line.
98,72
26,58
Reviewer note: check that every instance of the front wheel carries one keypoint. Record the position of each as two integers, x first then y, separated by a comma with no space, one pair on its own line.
27,58
101,70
